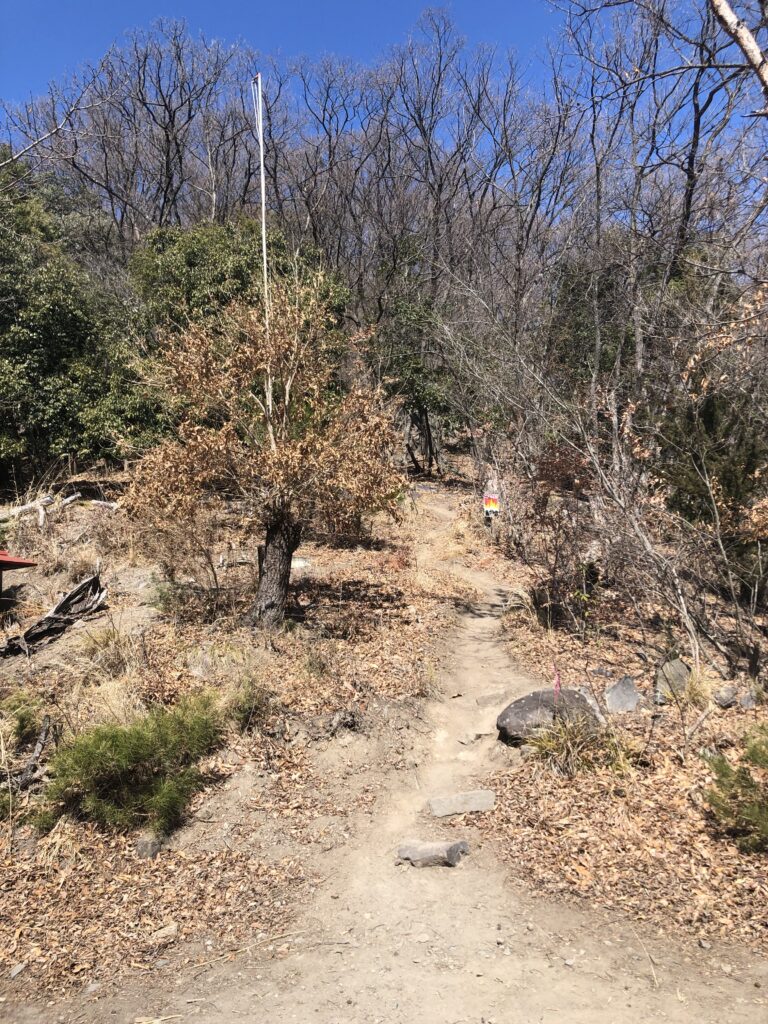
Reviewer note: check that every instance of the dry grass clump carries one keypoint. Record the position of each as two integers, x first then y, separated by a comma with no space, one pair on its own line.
189,602
249,704
575,745
113,651
65,544
115,536
699,689
46,546
81,563
104,700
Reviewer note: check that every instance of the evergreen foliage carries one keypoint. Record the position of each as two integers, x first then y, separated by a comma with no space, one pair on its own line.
188,275
140,774
24,710
739,796
67,382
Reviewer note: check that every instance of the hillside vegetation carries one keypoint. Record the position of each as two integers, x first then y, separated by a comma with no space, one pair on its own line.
551,290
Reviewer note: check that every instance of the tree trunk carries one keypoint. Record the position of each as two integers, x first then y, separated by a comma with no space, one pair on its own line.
283,536
745,40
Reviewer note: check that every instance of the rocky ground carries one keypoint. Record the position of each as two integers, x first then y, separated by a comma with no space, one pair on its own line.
290,901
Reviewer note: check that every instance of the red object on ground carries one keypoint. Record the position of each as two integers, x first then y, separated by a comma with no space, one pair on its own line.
8,562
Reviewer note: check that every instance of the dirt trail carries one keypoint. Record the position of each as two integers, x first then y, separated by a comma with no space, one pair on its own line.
396,944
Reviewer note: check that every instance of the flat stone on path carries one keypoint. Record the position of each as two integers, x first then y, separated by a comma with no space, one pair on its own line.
462,803
445,854
491,700
148,846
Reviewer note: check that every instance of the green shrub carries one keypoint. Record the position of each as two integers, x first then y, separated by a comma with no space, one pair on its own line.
739,796
141,774
191,274
25,712
68,380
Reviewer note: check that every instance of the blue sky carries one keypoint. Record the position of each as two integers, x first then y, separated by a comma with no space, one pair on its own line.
43,39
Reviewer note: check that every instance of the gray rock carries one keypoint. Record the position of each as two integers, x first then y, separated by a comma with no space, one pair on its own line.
16,970
462,803
671,681
431,855
600,671
589,697
165,936
528,715
748,701
623,697
726,696
148,845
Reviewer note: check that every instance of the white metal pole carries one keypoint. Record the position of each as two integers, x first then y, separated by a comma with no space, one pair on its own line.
258,110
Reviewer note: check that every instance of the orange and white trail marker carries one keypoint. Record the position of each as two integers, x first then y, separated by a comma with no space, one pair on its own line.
491,506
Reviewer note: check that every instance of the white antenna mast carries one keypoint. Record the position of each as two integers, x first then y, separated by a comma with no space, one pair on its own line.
259,112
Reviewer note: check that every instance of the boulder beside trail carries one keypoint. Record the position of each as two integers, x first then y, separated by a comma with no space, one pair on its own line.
590,698
537,711
622,697
671,681
726,696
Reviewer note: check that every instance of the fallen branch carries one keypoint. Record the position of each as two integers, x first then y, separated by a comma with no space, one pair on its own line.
698,724
88,596
38,506
27,777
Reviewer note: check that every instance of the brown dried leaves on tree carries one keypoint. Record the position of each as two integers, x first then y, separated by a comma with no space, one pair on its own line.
262,416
